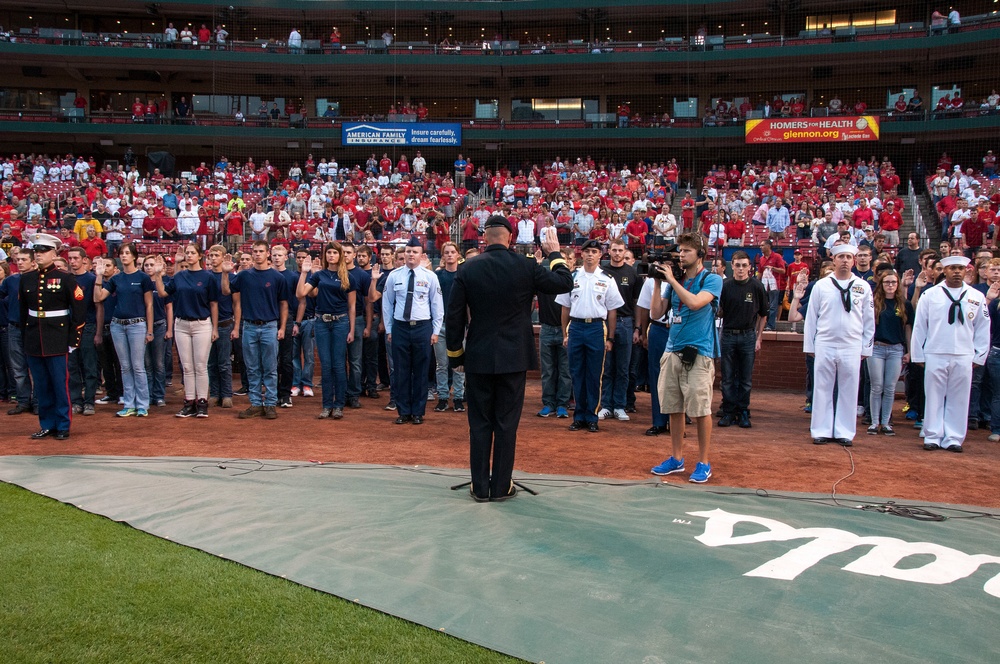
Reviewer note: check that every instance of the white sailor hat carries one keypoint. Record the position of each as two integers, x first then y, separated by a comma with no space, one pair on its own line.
955,260
41,241
843,249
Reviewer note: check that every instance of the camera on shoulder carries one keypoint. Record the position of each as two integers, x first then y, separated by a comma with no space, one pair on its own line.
655,264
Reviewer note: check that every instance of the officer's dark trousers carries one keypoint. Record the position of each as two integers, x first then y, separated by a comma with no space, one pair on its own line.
411,359
495,402
585,350
658,335
84,369
50,376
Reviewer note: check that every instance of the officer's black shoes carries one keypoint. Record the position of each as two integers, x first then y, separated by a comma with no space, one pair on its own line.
656,431
417,419
61,435
592,427
459,406
931,446
727,420
577,425
843,442
441,406
402,419
954,448
201,408
745,420
18,409
511,492
43,433
822,441
478,499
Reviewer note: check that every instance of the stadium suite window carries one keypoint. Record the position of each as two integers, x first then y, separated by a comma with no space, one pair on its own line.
857,20
20,99
686,107
552,109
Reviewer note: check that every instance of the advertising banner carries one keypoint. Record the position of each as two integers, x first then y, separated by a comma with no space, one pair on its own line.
399,133
813,130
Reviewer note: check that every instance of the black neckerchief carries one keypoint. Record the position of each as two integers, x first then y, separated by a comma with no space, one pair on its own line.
845,293
956,306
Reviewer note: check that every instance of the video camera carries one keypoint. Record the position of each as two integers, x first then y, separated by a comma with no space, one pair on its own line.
654,263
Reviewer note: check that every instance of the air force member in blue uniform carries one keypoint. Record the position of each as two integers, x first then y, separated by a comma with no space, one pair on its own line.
588,320
413,312
53,313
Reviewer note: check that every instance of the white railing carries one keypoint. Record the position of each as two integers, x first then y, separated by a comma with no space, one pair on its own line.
918,218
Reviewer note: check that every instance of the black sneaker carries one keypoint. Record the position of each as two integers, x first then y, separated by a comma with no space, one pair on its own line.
285,402
441,406
354,402
745,420
242,392
201,408
189,410
727,420
459,406
390,406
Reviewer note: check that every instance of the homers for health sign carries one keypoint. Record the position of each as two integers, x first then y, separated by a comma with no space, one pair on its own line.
813,130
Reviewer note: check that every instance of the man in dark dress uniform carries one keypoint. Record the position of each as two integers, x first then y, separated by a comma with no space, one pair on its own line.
53,313
492,297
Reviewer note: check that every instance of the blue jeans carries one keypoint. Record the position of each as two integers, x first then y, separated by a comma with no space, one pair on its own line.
557,386
993,371
441,374
156,375
84,368
220,365
884,366
774,301
260,355
130,342
976,392
738,356
304,354
354,358
614,387
19,366
331,343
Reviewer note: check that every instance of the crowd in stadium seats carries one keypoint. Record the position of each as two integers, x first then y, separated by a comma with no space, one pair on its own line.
389,200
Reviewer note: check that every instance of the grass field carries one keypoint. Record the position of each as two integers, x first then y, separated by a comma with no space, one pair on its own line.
75,587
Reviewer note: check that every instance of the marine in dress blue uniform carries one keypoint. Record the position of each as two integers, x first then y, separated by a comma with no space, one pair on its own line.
53,313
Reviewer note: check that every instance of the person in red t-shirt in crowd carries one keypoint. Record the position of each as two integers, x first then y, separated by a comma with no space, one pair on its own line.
151,227
138,110
151,110
168,225
93,245
889,222
735,228
860,107
771,271
635,234
900,105
974,230
687,212
624,113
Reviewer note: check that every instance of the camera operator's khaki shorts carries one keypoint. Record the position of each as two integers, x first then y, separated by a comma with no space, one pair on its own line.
686,390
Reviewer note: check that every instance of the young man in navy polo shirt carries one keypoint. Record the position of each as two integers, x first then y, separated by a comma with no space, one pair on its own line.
264,300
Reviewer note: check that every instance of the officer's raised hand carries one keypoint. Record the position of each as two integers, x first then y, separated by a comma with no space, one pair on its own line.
550,244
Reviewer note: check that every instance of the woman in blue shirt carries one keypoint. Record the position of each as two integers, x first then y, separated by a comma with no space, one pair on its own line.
131,327
163,322
336,298
893,325
195,296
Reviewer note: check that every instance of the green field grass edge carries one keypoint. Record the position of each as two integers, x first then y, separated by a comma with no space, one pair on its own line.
75,587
